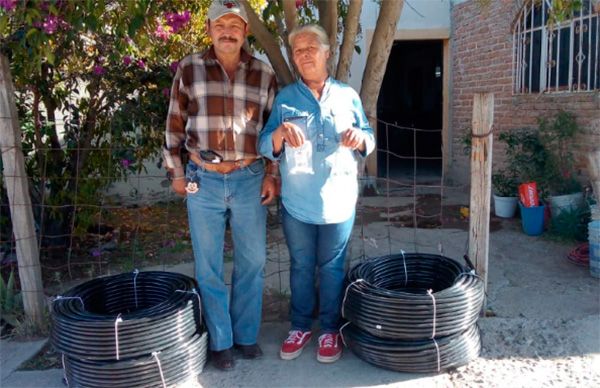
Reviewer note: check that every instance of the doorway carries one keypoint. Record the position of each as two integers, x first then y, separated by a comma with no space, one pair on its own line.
410,112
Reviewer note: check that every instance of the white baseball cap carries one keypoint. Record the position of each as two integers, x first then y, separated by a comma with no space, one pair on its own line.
220,8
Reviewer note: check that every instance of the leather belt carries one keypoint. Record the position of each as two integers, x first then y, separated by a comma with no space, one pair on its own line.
225,167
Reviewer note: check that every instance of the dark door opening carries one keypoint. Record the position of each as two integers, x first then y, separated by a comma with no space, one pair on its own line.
411,102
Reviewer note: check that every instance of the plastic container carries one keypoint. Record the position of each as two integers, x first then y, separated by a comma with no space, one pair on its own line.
505,207
532,219
567,202
594,240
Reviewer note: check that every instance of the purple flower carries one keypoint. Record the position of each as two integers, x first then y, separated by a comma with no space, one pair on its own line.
98,70
8,5
51,24
166,92
141,64
125,163
173,66
176,20
127,60
96,252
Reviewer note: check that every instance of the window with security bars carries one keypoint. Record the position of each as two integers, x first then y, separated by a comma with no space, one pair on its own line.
556,57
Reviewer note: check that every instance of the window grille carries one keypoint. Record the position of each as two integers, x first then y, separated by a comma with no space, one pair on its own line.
556,57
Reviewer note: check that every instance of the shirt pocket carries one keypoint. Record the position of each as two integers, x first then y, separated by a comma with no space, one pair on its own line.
295,116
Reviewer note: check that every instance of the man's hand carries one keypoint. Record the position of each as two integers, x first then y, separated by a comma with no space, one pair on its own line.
269,189
178,186
354,139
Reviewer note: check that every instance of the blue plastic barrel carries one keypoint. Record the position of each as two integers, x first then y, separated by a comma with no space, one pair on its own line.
532,219
594,240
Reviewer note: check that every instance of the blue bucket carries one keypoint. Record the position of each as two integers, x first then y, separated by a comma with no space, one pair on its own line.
532,219
594,240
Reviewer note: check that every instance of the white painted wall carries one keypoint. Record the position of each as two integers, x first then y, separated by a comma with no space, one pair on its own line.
416,15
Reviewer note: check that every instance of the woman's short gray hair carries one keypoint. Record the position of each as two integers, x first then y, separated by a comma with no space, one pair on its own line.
310,29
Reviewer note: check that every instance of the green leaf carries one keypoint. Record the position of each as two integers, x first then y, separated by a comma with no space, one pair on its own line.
135,25
357,49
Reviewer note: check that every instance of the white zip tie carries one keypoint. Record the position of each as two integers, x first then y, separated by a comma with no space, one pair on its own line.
342,334
346,295
119,319
162,377
437,348
65,370
197,295
430,293
59,297
405,271
135,274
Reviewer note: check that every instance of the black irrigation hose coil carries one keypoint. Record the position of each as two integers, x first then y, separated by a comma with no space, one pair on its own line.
414,356
413,312
133,329
412,296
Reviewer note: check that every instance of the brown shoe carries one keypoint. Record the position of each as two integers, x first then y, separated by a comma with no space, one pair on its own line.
249,351
222,359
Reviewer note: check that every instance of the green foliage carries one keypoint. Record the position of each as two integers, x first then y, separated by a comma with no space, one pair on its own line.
11,302
505,183
544,156
570,225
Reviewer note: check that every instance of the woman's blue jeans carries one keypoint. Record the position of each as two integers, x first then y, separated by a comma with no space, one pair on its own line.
314,248
234,197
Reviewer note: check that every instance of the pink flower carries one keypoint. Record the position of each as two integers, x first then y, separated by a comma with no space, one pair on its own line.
51,24
166,92
98,70
140,63
127,60
176,20
161,33
8,5
299,3
173,66
125,163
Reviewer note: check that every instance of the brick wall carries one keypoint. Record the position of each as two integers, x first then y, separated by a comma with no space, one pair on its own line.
482,62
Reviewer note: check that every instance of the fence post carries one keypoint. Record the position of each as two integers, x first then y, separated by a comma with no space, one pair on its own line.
28,255
481,179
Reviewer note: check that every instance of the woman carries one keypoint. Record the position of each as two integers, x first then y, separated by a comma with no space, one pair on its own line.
318,130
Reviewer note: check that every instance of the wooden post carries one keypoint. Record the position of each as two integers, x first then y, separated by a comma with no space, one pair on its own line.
28,256
481,182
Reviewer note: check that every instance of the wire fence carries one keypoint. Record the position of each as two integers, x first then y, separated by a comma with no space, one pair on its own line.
138,222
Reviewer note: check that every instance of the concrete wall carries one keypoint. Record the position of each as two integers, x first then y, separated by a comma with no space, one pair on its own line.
482,62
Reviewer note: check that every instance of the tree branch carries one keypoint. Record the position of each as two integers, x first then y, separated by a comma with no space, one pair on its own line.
328,19
269,44
350,32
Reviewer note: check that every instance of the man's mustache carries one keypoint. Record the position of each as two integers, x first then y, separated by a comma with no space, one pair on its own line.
227,39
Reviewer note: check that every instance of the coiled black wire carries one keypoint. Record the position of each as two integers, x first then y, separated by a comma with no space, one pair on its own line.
116,330
413,312
396,296
414,356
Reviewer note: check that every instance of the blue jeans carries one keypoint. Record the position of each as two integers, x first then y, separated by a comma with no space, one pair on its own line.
234,197
316,247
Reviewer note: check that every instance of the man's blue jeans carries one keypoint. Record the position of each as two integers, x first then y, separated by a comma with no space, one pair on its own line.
321,247
234,197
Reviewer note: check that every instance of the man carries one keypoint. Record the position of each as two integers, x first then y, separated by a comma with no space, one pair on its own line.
220,100
320,132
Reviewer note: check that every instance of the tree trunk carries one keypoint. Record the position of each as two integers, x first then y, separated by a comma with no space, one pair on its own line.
328,19
269,44
379,52
290,14
28,255
350,32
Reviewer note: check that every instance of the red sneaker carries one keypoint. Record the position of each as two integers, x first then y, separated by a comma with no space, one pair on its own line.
329,348
293,345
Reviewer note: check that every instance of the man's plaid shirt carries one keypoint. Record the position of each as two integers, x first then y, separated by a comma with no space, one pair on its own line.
208,112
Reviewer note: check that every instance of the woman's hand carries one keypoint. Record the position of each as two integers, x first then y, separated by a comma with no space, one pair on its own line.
354,139
288,132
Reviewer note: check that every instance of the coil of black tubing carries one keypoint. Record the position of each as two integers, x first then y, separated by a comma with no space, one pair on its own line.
414,356
149,315
396,296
